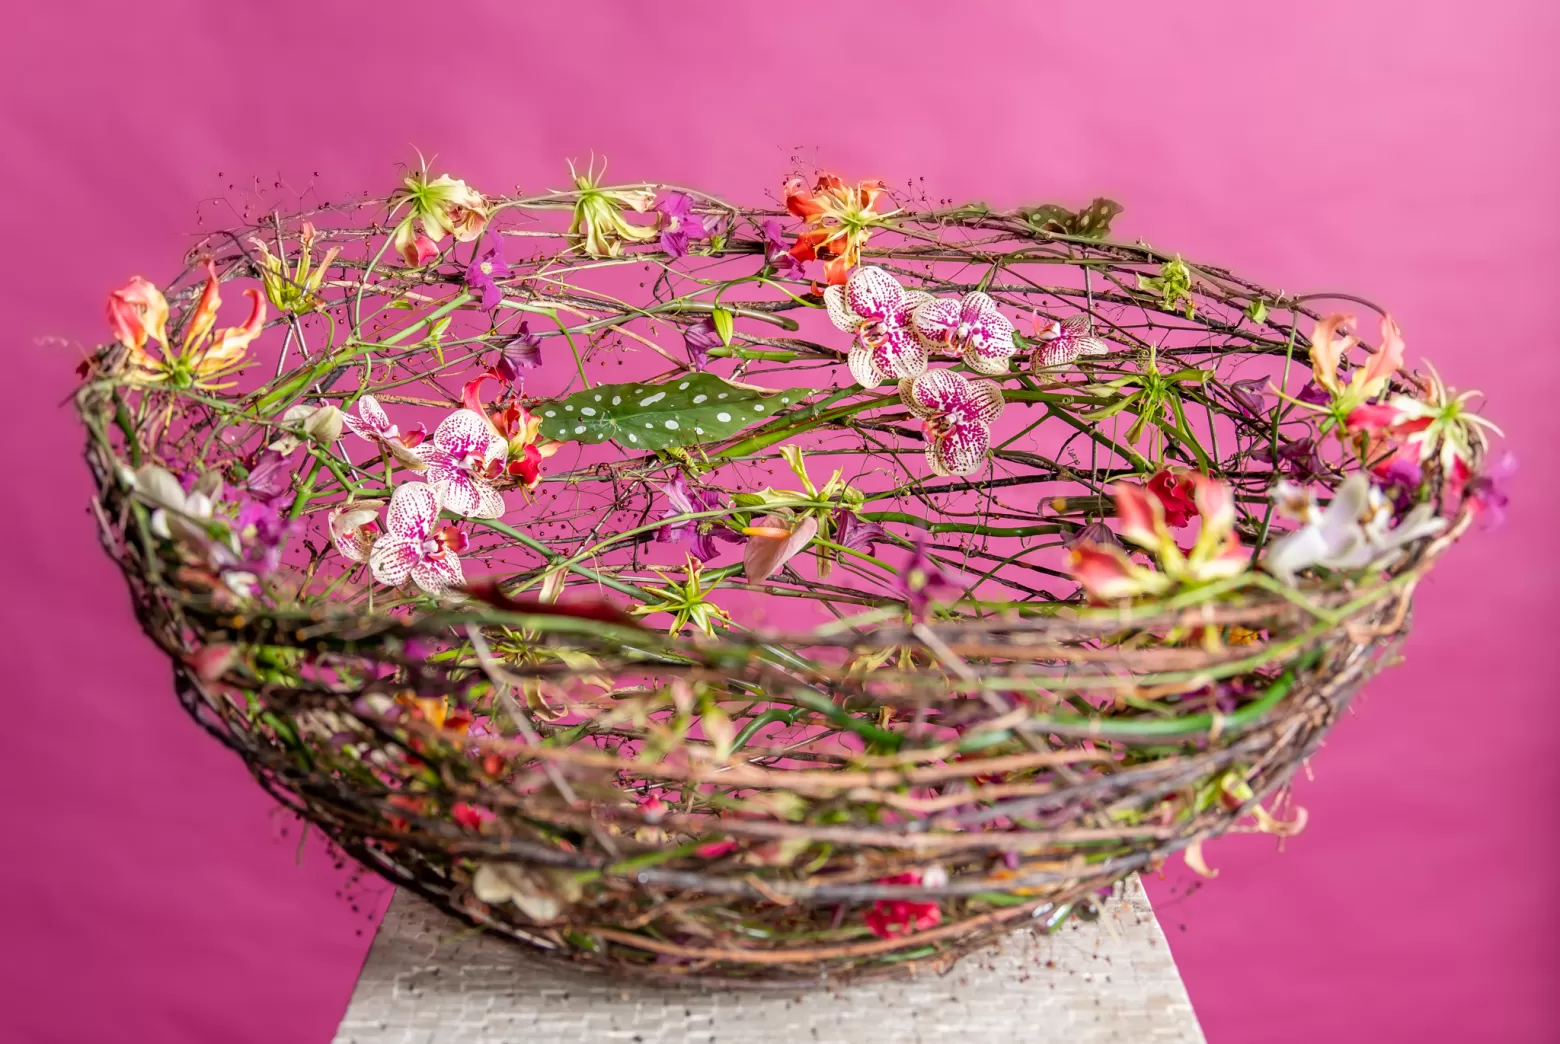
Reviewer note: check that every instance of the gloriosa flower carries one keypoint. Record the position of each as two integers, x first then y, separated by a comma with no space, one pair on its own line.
1109,575
1330,340
873,306
957,415
1175,489
297,291
1062,343
520,431
443,207
138,313
971,327
598,225
414,545
1353,532
839,218
1440,427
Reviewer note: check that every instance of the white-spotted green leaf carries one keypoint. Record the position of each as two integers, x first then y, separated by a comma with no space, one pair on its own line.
686,411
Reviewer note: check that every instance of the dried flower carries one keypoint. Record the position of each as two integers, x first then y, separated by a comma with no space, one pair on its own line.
1062,343
486,269
957,415
854,533
414,546
838,220
873,306
1250,395
972,327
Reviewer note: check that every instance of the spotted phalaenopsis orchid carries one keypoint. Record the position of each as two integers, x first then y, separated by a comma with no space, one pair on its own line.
957,414
373,424
353,529
873,306
971,326
415,545
1063,343
463,455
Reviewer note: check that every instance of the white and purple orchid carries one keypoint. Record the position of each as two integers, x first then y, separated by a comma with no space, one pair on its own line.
957,414
373,424
414,545
873,306
463,456
1062,343
354,527
971,327
1353,532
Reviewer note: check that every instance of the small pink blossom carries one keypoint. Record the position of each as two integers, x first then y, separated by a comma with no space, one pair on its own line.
354,528
957,414
1061,344
373,424
415,546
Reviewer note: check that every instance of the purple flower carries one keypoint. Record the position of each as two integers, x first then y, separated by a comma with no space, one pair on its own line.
778,254
271,476
857,534
1297,459
920,580
701,534
262,530
1249,395
1096,533
523,351
1314,394
699,339
678,223
1486,493
486,269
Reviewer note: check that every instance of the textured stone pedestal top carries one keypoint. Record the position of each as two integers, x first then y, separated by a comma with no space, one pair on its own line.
430,980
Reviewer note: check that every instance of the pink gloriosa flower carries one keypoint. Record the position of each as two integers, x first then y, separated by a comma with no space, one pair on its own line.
414,545
957,414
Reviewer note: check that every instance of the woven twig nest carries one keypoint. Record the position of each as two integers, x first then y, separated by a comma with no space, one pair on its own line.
570,630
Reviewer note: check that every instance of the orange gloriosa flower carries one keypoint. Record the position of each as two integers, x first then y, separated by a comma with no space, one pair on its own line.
839,219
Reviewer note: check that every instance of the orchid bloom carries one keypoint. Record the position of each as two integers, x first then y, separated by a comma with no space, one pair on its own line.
1330,341
1353,532
598,225
1062,343
190,520
971,326
464,453
1109,575
1439,427
353,529
414,545
873,306
839,220
373,424
138,312
297,291
957,415
443,207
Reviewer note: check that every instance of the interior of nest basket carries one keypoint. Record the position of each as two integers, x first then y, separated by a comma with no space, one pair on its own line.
603,685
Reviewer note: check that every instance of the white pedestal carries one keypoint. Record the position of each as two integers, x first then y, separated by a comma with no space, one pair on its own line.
431,980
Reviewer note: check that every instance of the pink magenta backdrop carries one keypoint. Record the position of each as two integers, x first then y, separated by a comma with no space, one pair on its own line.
1404,150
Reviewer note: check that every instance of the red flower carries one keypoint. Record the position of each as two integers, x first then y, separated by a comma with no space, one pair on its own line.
1173,488
839,219
893,918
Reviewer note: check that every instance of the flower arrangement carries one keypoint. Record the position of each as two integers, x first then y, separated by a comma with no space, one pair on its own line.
847,627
